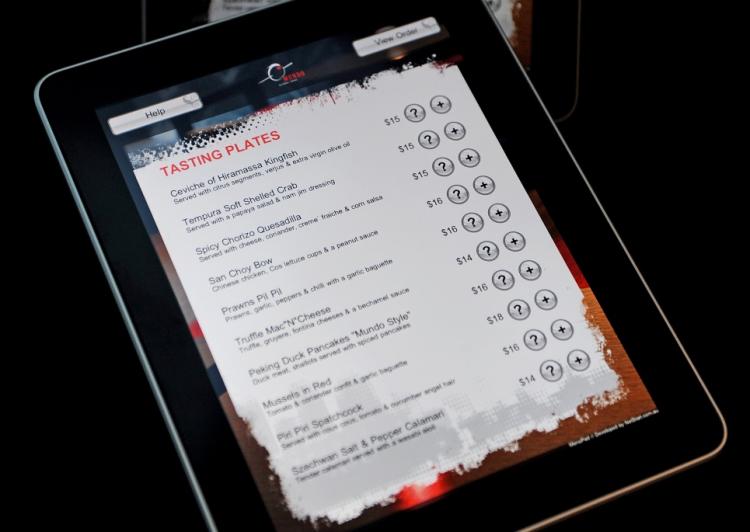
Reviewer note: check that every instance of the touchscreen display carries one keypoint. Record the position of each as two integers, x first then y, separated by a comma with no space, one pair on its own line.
384,310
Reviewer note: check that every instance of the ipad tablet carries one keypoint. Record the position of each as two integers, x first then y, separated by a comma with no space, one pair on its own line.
367,281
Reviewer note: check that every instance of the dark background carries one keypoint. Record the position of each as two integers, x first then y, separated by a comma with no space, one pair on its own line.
657,132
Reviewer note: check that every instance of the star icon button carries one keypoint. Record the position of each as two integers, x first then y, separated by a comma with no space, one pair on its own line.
530,270
561,329
514,241
484,185
455,130
440,104
579,360
469,157
499,212
545,299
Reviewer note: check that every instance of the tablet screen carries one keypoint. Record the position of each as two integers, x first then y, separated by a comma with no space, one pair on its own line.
384,310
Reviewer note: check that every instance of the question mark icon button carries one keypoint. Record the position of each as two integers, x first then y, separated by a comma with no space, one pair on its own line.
414,112
484,185
442,166
519,309
545,299
457,194
514,241
454,130
499,213
428,139
535,340
472,222
530,270
579,360
551,370
440,104
468,157
488,250
562,329
503,280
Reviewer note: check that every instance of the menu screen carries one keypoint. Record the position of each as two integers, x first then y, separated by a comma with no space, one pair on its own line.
385,311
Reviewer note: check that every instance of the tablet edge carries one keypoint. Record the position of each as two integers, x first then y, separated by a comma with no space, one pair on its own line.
145,365
197,492
579,20
725,431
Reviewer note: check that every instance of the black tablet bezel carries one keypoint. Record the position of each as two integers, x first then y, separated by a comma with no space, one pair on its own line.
688,427
556,54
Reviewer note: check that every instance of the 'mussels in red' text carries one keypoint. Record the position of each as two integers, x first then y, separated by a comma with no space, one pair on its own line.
219,153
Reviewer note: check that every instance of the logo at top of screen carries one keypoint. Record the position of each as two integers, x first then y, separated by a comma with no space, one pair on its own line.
282,74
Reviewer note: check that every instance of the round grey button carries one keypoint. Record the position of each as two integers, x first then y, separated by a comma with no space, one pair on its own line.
530,270
545,299
440,104
484,185
503,280
468,157
457,194
519,309
428,139
498,213
561,329
442,166
579,360
551,370
534,340
454,130
472,222
514,241
414,112
487,250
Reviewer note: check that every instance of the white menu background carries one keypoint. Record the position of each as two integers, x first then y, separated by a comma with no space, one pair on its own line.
433,389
